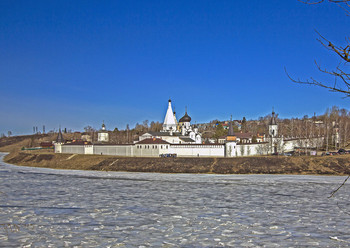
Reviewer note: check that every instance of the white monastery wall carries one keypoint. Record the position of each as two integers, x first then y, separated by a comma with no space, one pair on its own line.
150,150
289,145
247,149
117,150
189,150
78,149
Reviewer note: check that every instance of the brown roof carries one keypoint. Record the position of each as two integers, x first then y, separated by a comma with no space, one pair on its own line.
78,142
154,134
243,135
111,144
207,144
186,139
152,141
46,144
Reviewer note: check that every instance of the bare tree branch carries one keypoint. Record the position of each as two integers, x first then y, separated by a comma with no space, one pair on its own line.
335,191
341,77
343,52
321,1
344,4
330,86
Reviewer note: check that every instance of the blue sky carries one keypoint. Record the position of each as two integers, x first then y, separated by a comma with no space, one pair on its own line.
77,63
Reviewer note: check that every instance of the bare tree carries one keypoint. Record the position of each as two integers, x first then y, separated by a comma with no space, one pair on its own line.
242,150
89,129
260,149
340,74
145,124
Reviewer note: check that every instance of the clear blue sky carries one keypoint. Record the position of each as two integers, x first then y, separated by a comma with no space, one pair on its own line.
77,63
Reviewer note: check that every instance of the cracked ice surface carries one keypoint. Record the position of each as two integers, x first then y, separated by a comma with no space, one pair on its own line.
57,208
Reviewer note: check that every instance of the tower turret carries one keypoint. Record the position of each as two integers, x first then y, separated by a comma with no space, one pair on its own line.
59,142
230,145
60,138
103,126
231,134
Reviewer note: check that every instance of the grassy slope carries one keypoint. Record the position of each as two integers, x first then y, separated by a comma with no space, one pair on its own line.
338,165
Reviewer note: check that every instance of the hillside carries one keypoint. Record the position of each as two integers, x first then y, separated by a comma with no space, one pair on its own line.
328,165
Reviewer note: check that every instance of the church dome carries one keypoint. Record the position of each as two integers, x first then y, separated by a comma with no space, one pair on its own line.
185,118
103,127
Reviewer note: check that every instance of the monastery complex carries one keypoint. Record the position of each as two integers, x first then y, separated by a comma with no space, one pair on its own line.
181,139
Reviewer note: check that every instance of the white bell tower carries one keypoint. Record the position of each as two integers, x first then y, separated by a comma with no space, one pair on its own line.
273,127
103,134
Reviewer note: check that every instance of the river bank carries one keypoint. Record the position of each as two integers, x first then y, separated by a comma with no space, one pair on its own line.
330,165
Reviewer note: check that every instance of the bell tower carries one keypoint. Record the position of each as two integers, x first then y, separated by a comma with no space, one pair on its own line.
169,120
273,127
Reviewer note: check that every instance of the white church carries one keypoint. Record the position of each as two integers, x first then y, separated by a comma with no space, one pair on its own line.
183,140
176,132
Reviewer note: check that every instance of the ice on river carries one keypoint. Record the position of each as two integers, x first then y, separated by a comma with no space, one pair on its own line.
56,208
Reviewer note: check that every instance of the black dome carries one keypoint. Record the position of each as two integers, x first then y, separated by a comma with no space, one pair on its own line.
185,118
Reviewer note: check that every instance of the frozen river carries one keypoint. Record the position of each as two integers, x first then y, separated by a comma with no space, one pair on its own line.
57,208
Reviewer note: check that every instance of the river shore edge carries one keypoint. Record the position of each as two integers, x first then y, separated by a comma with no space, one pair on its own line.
304,165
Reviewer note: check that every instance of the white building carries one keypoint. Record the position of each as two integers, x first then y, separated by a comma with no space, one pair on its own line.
184,140
176,132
